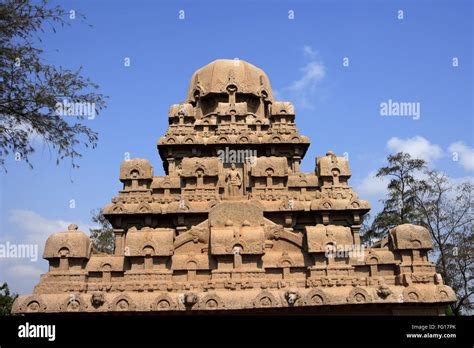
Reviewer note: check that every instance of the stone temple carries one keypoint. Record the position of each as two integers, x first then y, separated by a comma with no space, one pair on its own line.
235,226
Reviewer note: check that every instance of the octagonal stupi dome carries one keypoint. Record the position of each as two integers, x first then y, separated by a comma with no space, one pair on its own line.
217,76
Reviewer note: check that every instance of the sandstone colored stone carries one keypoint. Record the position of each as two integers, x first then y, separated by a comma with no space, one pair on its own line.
68,244
409,236
234,225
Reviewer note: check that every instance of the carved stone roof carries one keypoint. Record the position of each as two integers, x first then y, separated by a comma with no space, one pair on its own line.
409,236
71,243
215,77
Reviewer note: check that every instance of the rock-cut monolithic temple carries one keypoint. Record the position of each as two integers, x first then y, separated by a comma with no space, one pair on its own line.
234,225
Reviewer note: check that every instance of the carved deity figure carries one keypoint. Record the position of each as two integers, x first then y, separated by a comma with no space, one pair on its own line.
234,180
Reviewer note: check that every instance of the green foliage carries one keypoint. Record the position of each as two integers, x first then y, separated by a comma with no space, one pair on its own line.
399,206
30,89
459,270
446,211
103,239
6,300
448,311
419,195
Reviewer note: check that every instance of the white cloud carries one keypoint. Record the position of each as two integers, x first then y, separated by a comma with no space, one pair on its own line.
456,182
28,227
417,147
375,189
313,72
21,276
309,52
33,137
463,154
372,187
33,228
24,271
302,91
462,179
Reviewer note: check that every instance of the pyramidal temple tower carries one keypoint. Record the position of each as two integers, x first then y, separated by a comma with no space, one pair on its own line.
235,226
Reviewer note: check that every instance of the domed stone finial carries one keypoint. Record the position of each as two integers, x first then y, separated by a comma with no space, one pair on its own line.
246,223
330,153
72,227
229,223
217,76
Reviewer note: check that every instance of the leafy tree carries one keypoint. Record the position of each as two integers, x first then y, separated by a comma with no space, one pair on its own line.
399,207
446,211
31,89
103,239
6,300
366,232
459,262
419,195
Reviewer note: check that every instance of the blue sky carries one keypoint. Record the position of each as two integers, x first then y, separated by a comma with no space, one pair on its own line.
338,107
